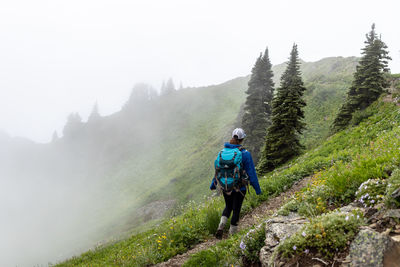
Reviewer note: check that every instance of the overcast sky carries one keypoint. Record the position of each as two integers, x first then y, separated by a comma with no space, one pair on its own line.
58,57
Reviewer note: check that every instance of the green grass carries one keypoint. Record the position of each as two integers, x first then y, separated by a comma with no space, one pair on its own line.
184,174
194,126
325,234
347,159
196,223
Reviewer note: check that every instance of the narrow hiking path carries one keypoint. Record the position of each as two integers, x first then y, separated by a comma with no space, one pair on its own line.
252,218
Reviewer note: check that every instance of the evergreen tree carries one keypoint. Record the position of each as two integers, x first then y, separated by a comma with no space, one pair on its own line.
168,88
257,109
162,89
369,80
94,115
73,126
141,94
55,137
282,139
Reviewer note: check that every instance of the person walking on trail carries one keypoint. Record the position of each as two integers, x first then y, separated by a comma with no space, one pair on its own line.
234,170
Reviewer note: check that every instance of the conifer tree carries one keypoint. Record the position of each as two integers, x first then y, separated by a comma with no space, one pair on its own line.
257,109
55,137
141,95
369,80
73,126
282,139
168,88
94,115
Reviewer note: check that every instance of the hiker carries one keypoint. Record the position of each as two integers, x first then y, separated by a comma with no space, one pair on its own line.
232,158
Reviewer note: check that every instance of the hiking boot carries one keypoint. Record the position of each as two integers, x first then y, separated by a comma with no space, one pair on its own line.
233,229
221,227
219,233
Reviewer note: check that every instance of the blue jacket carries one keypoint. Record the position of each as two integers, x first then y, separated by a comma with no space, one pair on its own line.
248,166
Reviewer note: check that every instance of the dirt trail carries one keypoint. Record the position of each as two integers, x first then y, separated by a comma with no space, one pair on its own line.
250,219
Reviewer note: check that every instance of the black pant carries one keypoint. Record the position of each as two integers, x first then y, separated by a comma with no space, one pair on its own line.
233,202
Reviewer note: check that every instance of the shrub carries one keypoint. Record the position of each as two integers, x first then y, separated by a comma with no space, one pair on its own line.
325,234
252,243
360,115
371,192
393,183
224,253
291,205
212,218
204,258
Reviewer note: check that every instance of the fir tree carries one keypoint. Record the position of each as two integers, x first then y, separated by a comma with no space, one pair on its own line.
94,115
55,137
73,126
141,94
369,80
282,140
257,109
168,88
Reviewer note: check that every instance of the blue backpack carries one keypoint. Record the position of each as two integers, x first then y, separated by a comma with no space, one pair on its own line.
229,169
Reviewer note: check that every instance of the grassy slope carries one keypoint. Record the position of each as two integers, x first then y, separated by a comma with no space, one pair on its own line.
348,152
341,163
174,163
194,124
178,174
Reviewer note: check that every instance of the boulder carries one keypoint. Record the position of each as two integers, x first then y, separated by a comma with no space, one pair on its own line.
392,213
278,229
370,248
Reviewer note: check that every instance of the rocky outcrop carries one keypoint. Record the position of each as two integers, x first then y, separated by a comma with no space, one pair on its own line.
373,249
278,229
374,246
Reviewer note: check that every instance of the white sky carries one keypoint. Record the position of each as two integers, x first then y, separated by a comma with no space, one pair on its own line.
58,57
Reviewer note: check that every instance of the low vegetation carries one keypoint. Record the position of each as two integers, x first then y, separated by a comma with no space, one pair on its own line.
340,165
325,234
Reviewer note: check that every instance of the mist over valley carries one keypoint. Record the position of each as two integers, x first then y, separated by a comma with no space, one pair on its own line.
106,178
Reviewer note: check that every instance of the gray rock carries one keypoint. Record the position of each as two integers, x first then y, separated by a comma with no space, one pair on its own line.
396,193
277,232
392,213
293,216
265,254
368,249
278,229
